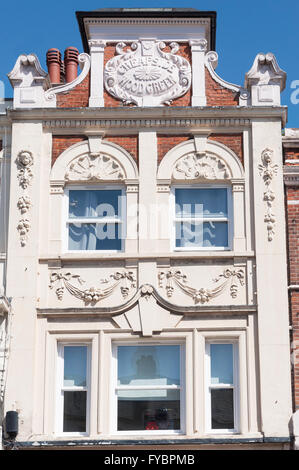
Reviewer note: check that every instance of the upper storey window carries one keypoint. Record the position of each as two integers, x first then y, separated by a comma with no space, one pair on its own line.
95,219
203,217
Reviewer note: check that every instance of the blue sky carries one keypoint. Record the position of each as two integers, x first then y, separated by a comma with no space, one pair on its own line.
243,30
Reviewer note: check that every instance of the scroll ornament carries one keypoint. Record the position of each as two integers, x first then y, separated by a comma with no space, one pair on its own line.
268,171
172,278
124,280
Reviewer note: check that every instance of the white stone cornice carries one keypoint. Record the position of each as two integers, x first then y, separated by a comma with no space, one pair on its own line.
191,124
146,21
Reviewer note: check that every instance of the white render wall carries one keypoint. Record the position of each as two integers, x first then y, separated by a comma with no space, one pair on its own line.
40,319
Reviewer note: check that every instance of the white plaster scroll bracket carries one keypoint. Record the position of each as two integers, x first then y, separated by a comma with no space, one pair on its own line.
50,95
29,82
211,63
265,80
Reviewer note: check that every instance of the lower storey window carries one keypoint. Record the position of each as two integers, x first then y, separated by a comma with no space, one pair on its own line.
73,397
222,393
149,388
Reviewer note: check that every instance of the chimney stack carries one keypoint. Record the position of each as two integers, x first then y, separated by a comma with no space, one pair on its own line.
54,64
71,63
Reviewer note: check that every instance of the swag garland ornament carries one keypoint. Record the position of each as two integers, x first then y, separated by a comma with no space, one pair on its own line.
125,280
172,278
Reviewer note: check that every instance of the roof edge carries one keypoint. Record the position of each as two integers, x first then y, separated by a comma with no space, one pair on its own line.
80,15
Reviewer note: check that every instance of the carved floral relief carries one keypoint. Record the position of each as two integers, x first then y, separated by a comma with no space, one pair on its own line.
124,280
172,279
200,166
268,171
24,163
94,167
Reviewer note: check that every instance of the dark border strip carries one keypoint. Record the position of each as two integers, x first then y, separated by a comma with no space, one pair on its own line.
181,442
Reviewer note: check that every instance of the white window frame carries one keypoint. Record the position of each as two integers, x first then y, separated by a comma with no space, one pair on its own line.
61,388
229,219
181,387
66,220
234,386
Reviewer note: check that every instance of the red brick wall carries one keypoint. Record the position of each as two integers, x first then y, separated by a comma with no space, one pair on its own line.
294,304
167,142
128,142
232,141
291,154
217,95
78,97
62,142
292,194
185,100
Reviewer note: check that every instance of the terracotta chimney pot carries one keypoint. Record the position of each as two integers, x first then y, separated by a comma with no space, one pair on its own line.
71,63
54,64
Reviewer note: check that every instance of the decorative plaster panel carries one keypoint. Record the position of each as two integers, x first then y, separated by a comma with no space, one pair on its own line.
145,75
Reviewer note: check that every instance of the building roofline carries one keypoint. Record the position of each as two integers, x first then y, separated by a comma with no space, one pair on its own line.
146,13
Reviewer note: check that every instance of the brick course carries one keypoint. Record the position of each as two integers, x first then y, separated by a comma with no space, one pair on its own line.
232,141
292,194
291,154
218,95
128,142
78,97
62,142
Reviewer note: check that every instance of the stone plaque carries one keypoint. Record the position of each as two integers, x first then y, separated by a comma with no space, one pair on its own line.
145,75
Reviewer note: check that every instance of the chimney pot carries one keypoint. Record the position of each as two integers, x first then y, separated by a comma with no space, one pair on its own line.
54,64
71,63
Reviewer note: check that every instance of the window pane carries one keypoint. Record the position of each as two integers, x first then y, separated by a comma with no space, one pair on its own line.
207,234
94,237
149,365
222,363
148,410
74,412
222,401
208,202
75,361
94,203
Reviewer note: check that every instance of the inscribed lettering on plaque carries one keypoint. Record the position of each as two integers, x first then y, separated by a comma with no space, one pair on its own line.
145,75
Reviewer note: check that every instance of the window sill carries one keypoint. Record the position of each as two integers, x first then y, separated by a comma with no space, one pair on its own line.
123,255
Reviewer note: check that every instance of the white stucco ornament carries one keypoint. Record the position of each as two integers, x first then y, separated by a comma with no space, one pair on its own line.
145,75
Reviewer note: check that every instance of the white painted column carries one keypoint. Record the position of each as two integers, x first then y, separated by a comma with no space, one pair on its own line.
96,99
22,270
198,50
147,192
271,277
239,216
